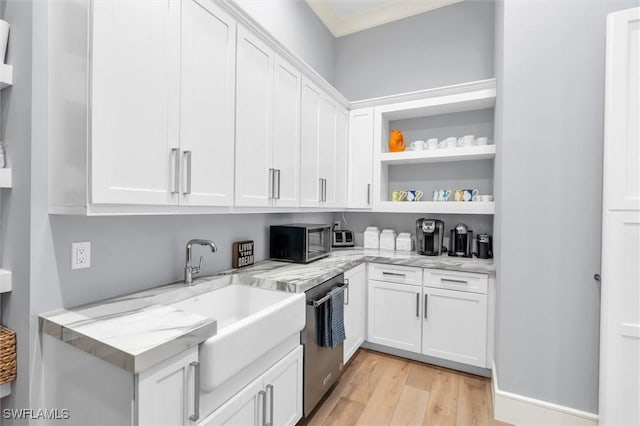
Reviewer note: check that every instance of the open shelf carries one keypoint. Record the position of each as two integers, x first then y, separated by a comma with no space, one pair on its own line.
483,152
5,281
6,76
442,207
5,178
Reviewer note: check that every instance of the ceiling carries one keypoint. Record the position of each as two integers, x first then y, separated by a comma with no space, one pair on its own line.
344,17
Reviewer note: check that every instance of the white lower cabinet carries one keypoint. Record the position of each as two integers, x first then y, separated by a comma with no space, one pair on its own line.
443,315
354,310
394,315
166,391
274,398
455,326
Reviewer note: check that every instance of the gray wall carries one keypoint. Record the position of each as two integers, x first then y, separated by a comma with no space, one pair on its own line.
549,129
15,232
450,45
297,27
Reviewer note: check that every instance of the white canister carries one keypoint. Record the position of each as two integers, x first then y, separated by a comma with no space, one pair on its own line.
404,242
372,237
388,239
4,38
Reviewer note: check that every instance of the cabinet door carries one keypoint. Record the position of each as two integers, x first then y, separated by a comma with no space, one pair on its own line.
253,120
327,148
394,315
354,313
337,182
286,133
309,144
455,326
283,384
360,158
244,409
135,101
165,391
207,104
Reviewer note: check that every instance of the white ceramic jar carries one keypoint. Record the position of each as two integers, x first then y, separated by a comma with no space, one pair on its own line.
404,242
372,237
388,239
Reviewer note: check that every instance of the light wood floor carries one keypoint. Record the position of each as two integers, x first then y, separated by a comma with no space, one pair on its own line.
380,389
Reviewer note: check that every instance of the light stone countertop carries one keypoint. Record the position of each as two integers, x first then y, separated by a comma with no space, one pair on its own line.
138,330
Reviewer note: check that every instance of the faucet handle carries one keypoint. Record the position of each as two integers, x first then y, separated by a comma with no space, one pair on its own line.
197,268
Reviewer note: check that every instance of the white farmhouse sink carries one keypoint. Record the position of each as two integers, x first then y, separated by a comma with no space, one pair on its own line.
251,321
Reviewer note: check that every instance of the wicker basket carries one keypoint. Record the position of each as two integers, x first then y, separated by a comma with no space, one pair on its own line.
7,355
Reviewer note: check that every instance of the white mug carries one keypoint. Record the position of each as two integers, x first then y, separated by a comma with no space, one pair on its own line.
432,143
417,145
482,141
466,140
483,198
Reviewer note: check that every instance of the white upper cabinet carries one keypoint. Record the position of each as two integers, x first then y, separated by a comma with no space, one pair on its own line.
286,134
360,158
134,101
207,104
323,149
253,121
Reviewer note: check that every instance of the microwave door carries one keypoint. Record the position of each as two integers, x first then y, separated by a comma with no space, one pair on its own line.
318,243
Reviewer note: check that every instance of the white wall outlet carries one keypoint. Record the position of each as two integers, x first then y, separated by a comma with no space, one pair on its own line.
80,255
336,225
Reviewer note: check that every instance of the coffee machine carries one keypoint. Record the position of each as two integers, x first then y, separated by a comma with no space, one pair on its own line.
429,236
485,247
460,241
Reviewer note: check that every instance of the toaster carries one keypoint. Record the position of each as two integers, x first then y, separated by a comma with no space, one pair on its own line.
343,238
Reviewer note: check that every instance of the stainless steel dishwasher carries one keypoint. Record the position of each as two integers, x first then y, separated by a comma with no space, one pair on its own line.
322,365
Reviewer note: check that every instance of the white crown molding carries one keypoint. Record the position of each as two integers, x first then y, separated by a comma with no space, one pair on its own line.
524,411
393,11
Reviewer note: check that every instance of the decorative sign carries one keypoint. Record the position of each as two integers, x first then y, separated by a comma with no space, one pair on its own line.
242,254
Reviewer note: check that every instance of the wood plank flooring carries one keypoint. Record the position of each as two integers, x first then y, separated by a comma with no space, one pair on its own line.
379,389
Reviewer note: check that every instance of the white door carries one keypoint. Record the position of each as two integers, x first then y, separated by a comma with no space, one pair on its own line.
135,105
455,326
337,193
254,88
286,134
327,149
244,409
394,315
309,144
360,158
283,384
207,104
620,299
354,310
165,392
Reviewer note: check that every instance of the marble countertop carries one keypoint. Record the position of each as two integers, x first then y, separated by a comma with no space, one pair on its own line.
138,330
296,278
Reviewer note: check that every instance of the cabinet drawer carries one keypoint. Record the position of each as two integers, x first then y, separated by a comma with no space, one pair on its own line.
395,274
454,280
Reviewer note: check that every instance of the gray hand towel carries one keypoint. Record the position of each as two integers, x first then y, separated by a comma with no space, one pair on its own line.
336,317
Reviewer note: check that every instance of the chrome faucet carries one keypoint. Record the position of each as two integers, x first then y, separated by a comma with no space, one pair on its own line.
189,269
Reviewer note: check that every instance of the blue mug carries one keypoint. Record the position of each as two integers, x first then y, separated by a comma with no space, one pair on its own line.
414,195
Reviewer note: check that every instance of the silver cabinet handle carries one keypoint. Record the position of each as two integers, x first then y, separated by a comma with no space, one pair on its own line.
451,280
346,291
175,188
368,193
418,305
271,183
196,391
321,186
277,186
271,394
394,274
426,299
187,157
263,395
324,197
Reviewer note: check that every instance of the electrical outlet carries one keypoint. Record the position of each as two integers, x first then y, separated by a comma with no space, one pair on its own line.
80,255
336,225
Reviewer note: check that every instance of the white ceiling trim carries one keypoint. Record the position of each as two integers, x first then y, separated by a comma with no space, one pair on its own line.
393,11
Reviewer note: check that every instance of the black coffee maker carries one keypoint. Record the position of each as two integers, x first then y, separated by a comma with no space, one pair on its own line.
460,241
429,236
485,247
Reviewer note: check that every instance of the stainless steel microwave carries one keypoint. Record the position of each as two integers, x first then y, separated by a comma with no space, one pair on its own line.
299,242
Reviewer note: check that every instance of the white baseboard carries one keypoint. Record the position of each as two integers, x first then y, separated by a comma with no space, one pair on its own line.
524,411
